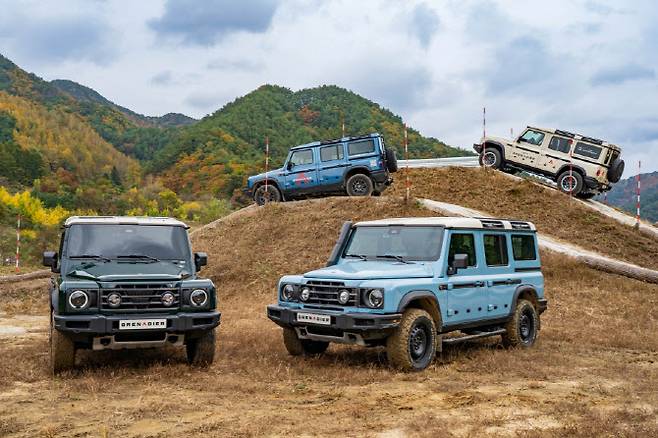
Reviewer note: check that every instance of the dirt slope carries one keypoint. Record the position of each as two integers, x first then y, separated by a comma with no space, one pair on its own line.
592,373
550,210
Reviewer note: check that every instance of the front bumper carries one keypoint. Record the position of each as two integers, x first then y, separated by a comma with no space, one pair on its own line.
109,324
286,317
477,148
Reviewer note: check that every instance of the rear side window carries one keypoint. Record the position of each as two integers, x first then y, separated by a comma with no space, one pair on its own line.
587,150
560,144
532,137
462,244
361,147
495,250
331,153
302,157
523,247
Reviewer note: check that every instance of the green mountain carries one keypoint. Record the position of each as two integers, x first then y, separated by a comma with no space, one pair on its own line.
232,139
86,94
624,195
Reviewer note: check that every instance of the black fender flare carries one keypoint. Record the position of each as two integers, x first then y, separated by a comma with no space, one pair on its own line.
357,169
496,144
565,168
270,181
521,289
419,294
54,298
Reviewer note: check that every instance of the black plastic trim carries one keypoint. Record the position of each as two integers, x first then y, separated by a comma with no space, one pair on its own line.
286,317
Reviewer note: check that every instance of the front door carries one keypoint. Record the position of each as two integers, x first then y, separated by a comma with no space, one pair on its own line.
301,173
527,148
467,292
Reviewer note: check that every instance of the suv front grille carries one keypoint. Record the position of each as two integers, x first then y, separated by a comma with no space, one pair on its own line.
326,293
140,297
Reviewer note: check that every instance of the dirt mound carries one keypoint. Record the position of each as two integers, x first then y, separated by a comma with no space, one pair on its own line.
592,372
551,211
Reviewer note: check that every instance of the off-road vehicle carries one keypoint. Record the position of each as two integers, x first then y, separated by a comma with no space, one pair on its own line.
404,283
129,282
580,165
358,166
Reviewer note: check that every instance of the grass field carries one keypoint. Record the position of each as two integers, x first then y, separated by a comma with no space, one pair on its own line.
593,372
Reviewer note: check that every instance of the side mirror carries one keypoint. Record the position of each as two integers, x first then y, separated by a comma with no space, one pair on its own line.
459,262
200,259
50,260
290,165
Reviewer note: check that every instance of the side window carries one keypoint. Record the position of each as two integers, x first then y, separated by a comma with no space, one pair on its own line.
532,137
587,150
331,153
462,244
523,247
495,250
361,147
302,157
560,144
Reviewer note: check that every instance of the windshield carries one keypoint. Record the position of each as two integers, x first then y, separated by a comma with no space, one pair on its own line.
117,241
421,243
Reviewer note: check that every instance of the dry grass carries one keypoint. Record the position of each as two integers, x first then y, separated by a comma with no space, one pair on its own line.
593,372
552,211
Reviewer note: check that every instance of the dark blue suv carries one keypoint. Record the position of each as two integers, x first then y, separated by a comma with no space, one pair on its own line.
358,166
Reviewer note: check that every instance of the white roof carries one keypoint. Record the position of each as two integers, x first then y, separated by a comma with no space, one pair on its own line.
124,220
454,222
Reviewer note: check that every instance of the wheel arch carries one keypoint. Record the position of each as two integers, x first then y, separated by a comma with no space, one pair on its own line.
425,300
270,181
566,167
525,292
354,170
495,145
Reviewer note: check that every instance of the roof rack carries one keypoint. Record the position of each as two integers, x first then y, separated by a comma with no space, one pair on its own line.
591,140
518,225
565,133
492,223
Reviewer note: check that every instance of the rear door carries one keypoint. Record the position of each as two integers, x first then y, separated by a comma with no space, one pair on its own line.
501,279
302,175
365,152
556,154
332,166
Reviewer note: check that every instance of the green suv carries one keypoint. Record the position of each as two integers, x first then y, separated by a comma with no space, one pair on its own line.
129,282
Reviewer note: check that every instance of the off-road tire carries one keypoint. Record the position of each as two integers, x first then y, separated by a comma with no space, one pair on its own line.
563,184
516,334
616,170
359,185
260,194
302,347
400,344
493,154
201,350
391,160
62,349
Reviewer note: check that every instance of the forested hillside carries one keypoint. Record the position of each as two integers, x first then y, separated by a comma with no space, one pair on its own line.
65,149
623,195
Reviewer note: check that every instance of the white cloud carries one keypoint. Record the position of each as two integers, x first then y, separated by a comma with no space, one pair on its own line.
582,66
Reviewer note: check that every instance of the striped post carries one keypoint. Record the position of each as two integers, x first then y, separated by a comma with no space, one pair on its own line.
570,173
484,135
406,157
637,214
267,165
18,242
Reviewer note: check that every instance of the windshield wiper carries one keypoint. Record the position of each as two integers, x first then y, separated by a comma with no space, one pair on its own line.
396,257
90,256
139,256
361,256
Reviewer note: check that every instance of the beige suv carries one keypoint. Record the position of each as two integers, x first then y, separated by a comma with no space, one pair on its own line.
580,165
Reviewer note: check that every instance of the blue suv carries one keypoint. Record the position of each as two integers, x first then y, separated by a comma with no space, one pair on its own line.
403,283
358,166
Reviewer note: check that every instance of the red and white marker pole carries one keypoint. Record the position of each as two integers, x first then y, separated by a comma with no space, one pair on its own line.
267,165
406,157
484,134
570,173
18,242
637,215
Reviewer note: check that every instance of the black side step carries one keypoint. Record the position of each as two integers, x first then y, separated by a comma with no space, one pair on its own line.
457,340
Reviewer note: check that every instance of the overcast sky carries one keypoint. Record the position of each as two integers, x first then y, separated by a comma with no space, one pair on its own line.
584,66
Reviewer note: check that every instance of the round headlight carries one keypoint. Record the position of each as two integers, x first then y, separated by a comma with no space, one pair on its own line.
79,299
168,299
375,297
288,292
305,295
198,297
114,300
343,296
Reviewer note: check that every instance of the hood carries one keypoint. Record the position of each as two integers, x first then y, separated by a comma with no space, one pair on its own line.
270,173
371,270
498,139
110,271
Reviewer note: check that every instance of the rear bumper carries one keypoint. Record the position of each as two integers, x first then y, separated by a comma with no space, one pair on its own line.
286,317
593,184
382,179
542,305
109,324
